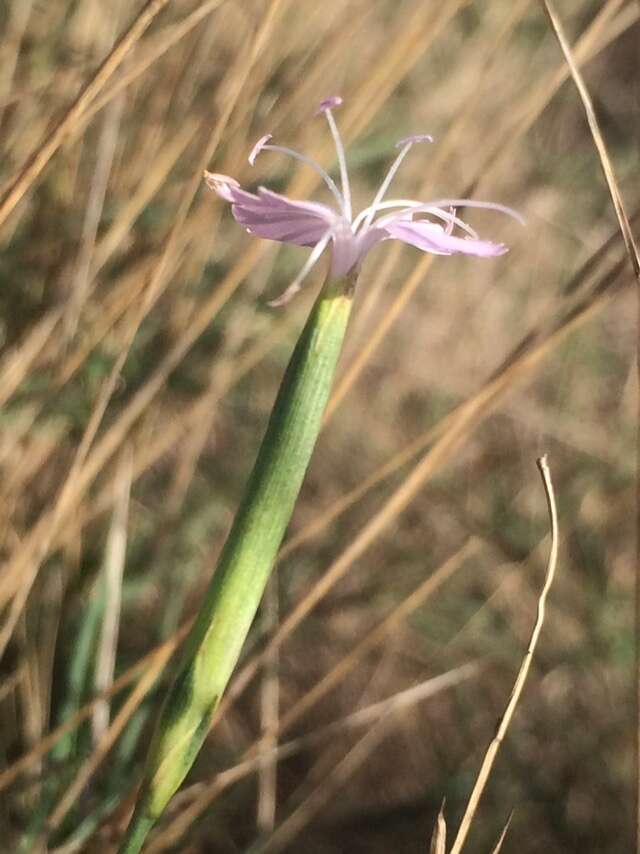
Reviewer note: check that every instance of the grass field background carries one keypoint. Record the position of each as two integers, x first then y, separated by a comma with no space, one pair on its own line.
140,362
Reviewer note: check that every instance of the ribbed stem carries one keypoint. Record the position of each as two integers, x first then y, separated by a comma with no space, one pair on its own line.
214,644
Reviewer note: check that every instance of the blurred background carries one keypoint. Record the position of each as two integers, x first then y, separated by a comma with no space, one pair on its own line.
139,365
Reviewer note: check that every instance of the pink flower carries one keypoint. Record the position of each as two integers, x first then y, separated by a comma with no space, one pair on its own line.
275,217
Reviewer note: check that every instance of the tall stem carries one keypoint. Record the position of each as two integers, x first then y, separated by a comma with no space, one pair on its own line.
215,641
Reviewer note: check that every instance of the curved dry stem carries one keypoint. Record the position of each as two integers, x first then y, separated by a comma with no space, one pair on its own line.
494,747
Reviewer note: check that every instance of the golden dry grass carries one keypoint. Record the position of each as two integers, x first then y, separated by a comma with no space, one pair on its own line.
139,363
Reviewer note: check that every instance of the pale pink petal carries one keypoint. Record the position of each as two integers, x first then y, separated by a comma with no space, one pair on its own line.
273,216
432,238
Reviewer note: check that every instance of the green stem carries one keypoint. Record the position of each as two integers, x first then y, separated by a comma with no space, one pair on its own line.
214,644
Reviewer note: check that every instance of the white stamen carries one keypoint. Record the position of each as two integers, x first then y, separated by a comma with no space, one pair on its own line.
331,184
395,203
311,261
412,206
449,228
257,148
415,137
446,216
328,104
470,203
389,178
342,162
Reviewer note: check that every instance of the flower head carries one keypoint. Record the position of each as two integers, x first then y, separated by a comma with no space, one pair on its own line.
276,217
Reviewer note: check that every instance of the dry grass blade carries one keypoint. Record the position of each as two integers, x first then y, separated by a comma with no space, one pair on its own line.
402,700
113,572
632,252
498,846
292,826
439,836
151,181
19,185
17,24
494,747
605,160
288,830
106,149
377,636
16,363
604,29
10,682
